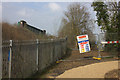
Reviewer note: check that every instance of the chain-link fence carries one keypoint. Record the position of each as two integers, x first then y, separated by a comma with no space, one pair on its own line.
103,45
22,59
109,43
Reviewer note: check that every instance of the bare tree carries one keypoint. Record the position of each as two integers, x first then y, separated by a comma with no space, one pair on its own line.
75,22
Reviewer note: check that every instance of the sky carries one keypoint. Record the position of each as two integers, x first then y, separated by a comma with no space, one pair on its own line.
43,15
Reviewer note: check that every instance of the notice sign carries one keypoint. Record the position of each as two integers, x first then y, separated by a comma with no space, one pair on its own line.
83,43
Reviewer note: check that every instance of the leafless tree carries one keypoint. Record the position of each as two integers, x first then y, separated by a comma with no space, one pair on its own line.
76,21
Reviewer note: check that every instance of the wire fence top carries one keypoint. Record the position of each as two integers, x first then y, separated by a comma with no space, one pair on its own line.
6,43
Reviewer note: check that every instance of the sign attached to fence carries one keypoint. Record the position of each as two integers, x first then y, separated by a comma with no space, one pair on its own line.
83,43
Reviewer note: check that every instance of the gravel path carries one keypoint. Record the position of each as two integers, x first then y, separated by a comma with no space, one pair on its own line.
96,70
63,66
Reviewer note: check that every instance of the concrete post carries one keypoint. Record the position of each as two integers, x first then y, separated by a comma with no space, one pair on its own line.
99,46
10,56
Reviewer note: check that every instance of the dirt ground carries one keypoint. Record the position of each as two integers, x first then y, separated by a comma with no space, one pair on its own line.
113,74
76,59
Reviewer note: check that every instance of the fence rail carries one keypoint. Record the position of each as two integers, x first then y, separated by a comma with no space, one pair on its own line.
29,57
110,43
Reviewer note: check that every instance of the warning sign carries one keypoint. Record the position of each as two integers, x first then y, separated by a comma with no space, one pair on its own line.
83,43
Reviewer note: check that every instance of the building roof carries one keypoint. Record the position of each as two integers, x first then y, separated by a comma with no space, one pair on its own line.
32,26
35,28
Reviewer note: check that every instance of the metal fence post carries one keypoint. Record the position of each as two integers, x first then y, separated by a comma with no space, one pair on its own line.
37,54
99,45
10,56
1,59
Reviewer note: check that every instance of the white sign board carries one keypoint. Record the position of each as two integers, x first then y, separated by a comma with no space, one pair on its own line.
83,43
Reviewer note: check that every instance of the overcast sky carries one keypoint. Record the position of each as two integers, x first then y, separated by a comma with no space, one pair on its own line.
43,15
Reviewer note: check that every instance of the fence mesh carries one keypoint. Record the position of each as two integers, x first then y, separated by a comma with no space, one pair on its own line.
110,46
24,56
101,50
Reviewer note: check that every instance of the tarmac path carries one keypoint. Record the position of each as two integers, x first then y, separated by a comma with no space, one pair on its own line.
96,70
